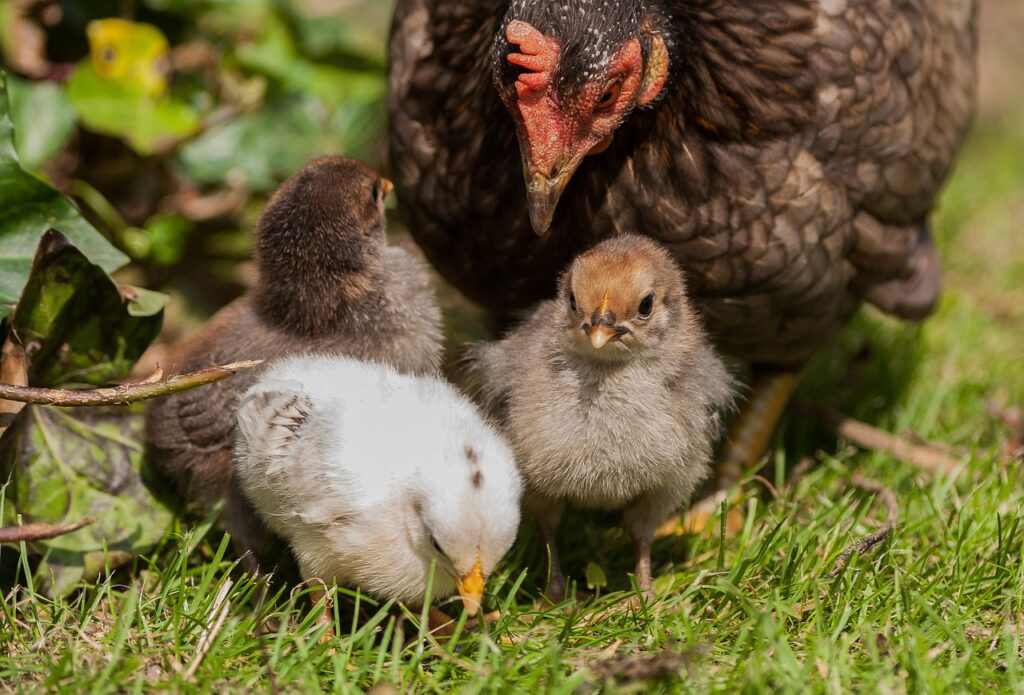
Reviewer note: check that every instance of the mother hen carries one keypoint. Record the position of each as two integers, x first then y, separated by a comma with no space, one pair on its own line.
787,151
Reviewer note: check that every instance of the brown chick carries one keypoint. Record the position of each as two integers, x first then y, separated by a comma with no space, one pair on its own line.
328,283
611,394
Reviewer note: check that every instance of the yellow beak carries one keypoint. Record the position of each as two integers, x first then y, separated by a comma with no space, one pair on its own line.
471,587
601,334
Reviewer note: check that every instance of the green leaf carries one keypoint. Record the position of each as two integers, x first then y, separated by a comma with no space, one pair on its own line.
78,326
75,324
75,463
267,146
596,577
43,120
117,108
359,29
28,208
275,54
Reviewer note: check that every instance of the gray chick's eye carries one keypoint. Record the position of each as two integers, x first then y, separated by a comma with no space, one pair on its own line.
572,300
646,306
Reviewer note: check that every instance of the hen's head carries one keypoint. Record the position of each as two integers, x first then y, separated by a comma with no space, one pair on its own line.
570,72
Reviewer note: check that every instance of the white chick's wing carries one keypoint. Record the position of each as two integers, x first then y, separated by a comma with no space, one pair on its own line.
271,424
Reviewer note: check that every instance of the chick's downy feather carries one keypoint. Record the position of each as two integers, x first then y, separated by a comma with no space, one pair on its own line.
626,422
328,282
373,476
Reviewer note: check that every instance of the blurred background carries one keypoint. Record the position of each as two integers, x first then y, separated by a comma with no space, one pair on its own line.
170,125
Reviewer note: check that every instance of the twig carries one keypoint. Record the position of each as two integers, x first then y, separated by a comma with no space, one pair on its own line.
125,393
220,608
799,471
40,531
929,457
865,544
767,485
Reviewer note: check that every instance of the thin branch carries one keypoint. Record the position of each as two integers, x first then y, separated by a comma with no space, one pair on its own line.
867,543
215,618
929,457
125,393
40,531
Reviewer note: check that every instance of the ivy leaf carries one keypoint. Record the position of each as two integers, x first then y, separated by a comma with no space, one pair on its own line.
77,326
269,145
43,120
75,463
121,109
28,208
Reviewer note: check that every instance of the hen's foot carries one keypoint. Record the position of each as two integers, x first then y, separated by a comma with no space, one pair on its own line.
748,438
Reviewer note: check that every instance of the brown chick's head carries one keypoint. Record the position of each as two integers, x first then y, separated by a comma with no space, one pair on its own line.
624,298
318,244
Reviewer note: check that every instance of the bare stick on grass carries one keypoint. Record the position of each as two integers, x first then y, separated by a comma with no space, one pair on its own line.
215,618
869,542
929,457
124,393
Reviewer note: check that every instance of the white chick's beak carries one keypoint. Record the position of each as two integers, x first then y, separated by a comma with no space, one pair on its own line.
471,587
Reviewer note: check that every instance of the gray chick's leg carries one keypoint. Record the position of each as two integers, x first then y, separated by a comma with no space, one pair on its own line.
642,518
546,513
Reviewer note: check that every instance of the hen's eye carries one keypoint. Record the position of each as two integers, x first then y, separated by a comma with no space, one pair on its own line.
611,93
646,306
572,301
377,193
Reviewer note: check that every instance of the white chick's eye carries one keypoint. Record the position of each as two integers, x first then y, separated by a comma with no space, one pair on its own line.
436,546
646,306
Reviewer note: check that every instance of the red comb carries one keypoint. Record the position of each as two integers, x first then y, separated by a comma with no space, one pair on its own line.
538,54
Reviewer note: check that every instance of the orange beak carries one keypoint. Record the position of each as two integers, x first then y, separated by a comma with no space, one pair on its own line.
471,587
387,186
601,335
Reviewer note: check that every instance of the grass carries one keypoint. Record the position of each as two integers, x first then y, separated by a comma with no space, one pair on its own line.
939,607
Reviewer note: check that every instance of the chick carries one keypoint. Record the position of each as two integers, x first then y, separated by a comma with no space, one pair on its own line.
610,393
327,282
371,476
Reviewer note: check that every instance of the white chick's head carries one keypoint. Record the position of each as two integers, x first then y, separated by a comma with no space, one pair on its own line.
464,512
624,298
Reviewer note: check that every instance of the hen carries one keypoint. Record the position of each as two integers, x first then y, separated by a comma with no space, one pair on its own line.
788,152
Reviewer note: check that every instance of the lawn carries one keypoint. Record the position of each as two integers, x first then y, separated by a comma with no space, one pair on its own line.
937,607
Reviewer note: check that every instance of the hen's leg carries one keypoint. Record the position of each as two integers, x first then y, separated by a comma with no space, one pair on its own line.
547,513
748,438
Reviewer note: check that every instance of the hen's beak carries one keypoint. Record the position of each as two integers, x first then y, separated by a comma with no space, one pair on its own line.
471,587
543,194
387,186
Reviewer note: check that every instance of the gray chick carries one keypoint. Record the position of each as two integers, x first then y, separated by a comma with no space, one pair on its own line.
329,283
611,394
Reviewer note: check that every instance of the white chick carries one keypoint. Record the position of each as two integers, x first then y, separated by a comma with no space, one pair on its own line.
371,476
